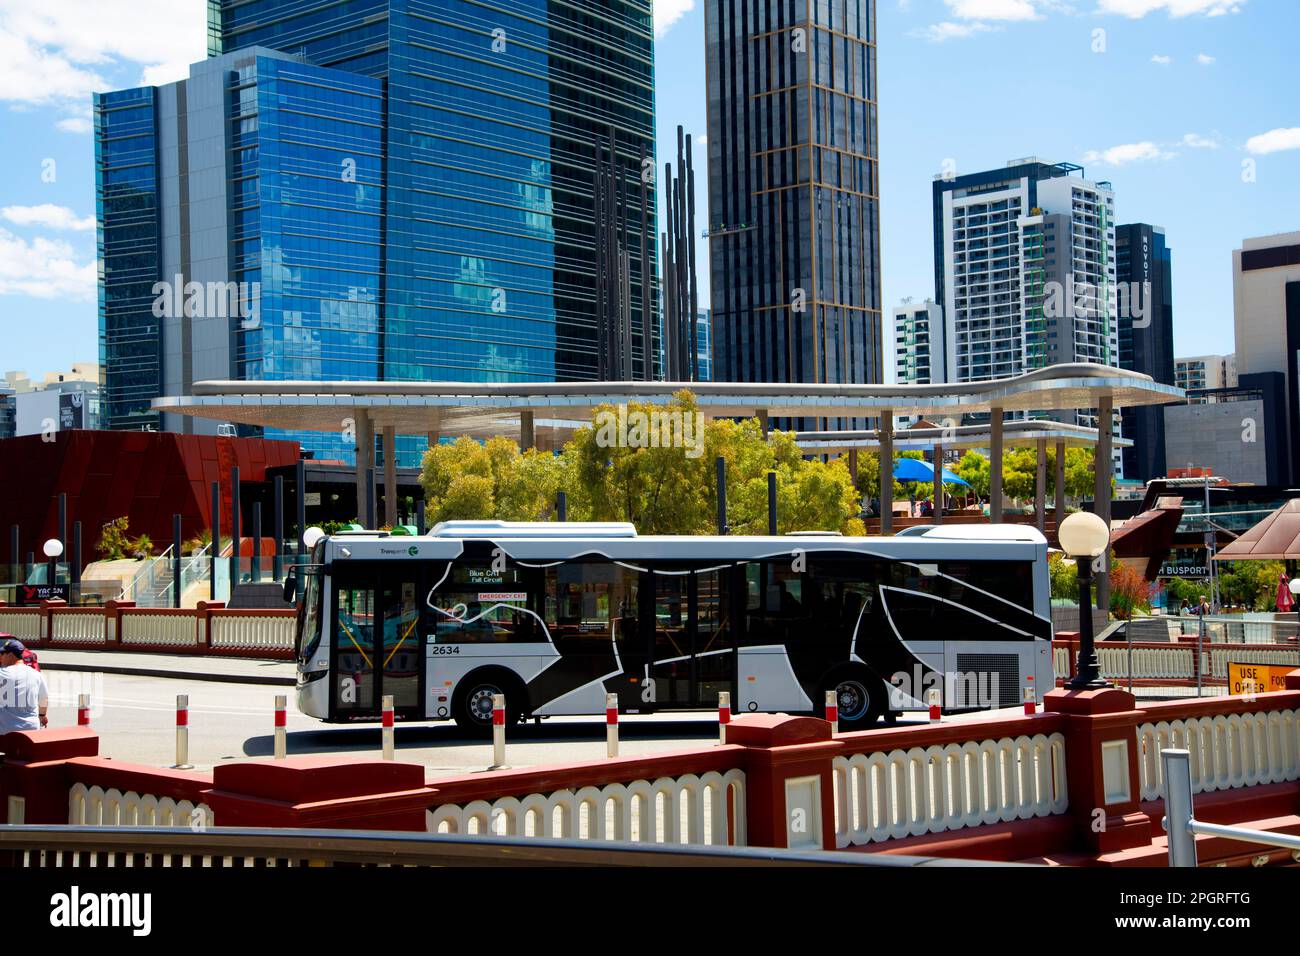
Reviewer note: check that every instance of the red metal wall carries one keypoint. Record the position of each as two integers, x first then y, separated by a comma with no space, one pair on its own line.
147,476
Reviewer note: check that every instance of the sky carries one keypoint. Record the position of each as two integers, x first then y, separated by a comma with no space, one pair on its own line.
1189,107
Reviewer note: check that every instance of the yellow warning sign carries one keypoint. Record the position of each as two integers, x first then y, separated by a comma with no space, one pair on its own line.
1249,679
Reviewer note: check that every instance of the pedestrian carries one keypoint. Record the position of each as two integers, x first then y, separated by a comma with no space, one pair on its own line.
24,698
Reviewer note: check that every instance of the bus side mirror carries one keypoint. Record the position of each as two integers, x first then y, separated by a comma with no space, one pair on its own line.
290,587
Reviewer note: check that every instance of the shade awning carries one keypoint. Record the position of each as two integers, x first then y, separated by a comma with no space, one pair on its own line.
913,469
1276,538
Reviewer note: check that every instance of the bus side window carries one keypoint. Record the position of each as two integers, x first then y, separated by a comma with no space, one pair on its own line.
779,605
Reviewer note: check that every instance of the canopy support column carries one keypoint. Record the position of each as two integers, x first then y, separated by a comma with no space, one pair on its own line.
527,432
1104,467
365,433
1060,483
995,466
390,475
887,471
938,484
1040,487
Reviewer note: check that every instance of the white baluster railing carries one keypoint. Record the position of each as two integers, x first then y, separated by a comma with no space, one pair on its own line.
900,793
706,809
94,806
269,632
1227,750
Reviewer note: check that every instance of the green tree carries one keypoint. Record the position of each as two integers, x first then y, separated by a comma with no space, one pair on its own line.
1250,583
662,490
1019,472
114,544
974,470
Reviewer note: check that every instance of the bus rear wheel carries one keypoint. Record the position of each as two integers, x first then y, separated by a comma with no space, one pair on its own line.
859,698
471,705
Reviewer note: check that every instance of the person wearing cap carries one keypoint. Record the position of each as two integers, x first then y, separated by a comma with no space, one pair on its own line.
24,697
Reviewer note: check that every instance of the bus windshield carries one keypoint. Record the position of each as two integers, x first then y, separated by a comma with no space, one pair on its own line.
309,611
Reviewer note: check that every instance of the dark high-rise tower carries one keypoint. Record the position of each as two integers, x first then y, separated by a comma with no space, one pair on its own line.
794,232
1144,273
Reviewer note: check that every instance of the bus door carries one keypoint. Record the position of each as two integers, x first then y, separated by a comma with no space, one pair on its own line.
377,648
715,636
400,654
693,647
354,692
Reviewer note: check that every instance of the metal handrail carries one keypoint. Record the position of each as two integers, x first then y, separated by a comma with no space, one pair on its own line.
1183,827
329,847
129,593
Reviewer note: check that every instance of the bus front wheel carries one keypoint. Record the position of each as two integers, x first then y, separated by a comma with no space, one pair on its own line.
471,705
859,698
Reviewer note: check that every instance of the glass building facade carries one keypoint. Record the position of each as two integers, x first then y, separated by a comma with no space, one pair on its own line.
411,185
1144,272
793,191
307,227
258,183
492,112
126,207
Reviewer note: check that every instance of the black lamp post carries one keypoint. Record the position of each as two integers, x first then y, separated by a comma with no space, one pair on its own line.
1084,536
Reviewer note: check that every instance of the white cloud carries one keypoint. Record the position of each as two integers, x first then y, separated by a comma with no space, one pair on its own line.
1197,141
1162,60
1204,59
1136,9
1144,152
993,9
32,76
44,268
75,124
57,52
1274,141
48,216
668,12
939,32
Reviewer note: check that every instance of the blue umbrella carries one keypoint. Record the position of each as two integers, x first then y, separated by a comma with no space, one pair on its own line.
913,469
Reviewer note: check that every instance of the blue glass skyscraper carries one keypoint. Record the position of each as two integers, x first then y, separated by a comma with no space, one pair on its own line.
492,112
464,247
241,217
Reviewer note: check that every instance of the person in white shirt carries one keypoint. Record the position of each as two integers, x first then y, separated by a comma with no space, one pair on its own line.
24,698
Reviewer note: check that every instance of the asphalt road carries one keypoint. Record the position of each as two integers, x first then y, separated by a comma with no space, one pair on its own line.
135,718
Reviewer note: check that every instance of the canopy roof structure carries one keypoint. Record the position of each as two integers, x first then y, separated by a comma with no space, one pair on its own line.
491,408
1276,538
923,438
544,414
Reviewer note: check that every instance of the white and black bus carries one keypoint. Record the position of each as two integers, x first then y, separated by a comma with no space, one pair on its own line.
557,615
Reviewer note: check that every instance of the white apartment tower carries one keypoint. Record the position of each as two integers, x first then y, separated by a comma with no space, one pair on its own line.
1025,271
920,357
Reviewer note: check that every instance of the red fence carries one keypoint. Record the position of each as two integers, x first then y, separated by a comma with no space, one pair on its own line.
211,628
1075,784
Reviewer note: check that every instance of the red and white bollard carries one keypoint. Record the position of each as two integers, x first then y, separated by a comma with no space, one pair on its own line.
1031,698
498,732
833,712
388,726
83,710
724,715
934,698
182,733
281,725
611,725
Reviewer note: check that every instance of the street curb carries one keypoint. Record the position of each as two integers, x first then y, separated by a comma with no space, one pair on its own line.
173,675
